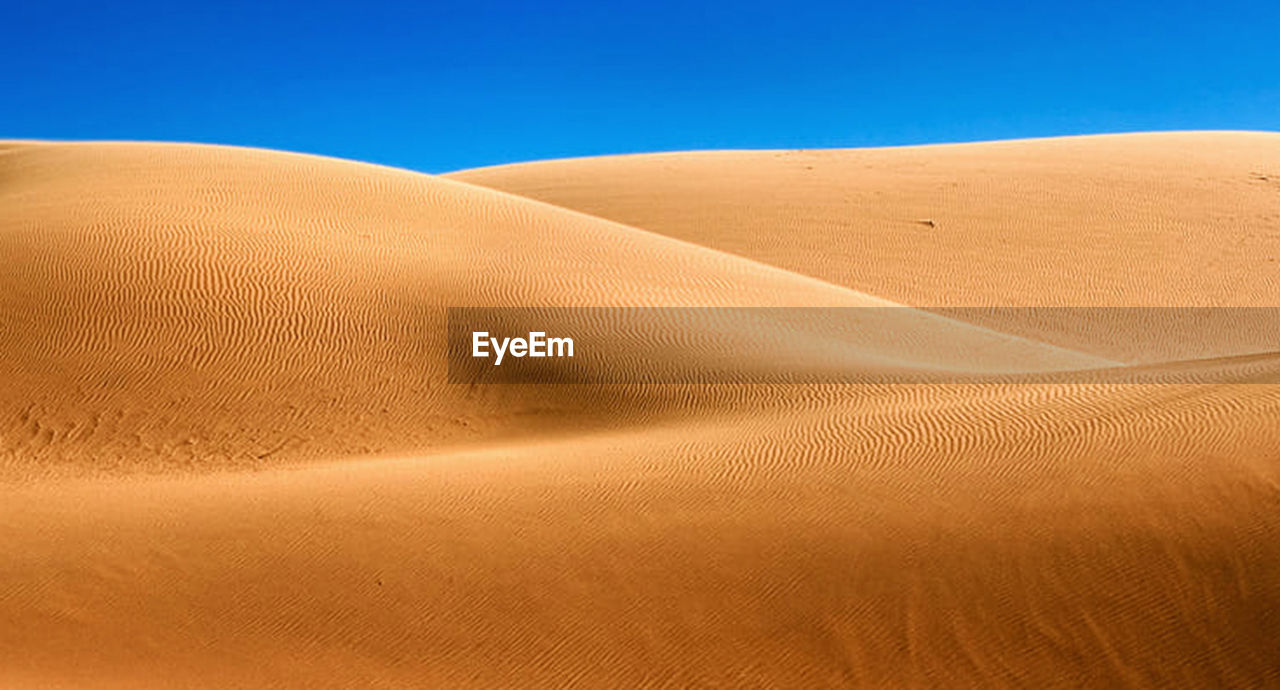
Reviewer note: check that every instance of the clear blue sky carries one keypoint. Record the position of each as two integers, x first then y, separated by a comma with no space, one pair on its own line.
436,86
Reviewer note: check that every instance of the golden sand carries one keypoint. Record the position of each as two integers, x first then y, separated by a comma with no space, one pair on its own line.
230,457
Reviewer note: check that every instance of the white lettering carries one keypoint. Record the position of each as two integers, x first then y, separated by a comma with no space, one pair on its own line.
559,345
537,345
500,349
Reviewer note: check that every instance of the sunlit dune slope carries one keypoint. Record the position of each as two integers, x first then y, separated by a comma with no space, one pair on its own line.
1151,220
230,457
185,305
942,537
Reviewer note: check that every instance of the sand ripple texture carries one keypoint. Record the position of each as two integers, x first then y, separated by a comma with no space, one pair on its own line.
230,455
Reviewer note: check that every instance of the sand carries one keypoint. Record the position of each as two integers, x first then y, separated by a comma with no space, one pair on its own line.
230,456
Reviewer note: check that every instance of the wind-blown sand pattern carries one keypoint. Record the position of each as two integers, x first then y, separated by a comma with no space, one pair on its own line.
230,457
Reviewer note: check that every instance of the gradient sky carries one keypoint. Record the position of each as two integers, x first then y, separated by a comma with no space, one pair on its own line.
437,86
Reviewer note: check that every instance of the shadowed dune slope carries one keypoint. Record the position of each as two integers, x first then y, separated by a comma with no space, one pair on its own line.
229,455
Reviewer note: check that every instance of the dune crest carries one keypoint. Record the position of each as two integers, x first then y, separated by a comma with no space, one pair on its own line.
230,455
1175,219
192,305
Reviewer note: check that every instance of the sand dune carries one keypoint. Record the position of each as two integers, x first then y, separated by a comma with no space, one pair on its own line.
309,295
231,457
1146,220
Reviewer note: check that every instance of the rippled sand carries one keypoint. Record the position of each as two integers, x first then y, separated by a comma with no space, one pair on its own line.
230,457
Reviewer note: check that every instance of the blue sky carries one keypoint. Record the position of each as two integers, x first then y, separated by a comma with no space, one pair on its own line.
437,86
